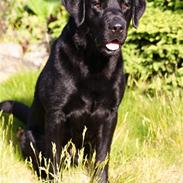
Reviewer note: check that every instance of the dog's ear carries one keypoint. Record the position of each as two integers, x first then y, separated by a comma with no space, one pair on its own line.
76,9
138,10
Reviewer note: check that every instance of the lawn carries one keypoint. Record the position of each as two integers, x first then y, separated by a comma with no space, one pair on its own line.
147,145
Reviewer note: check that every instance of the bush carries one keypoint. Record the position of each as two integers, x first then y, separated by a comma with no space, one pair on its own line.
51,12
168,4
28,21
155,50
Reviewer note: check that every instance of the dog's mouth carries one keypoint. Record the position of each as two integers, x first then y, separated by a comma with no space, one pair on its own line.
113,45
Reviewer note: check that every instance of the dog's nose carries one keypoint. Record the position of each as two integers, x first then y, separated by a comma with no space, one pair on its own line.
117,28
117,25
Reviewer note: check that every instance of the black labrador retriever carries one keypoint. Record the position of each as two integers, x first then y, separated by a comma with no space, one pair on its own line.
82,83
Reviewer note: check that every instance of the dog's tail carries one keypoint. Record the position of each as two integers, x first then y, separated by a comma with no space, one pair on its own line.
19,110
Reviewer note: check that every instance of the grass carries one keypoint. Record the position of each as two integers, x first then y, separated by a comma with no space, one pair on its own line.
147,145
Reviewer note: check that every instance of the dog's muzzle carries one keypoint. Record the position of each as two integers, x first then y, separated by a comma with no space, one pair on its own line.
116,31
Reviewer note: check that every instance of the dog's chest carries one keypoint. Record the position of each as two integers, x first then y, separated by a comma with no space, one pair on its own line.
91,95
88,107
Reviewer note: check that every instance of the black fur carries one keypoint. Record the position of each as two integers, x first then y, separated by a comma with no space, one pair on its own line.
82,83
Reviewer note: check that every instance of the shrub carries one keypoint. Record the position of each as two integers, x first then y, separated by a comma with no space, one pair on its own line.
28,21
168,4
155,50
50,12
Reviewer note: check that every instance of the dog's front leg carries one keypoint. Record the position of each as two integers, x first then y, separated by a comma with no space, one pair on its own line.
54,131
104,139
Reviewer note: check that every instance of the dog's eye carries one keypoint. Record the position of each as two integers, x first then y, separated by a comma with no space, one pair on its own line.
125,6
97,5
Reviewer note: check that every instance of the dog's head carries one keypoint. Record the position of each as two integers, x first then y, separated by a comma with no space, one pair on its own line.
107,20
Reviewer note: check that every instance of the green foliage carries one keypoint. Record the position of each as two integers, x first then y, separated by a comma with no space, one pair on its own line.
153,53
30,21
42,8
58,24
51,13
168,4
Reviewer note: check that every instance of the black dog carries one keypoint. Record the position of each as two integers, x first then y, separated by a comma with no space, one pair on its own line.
82,83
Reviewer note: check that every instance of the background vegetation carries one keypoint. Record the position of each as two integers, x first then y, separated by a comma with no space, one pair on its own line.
153,53
148,146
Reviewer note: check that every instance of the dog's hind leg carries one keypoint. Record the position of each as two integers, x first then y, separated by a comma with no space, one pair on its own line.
28,147
32,138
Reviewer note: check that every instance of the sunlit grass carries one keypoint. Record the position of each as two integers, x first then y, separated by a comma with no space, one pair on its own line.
147,145
12,168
